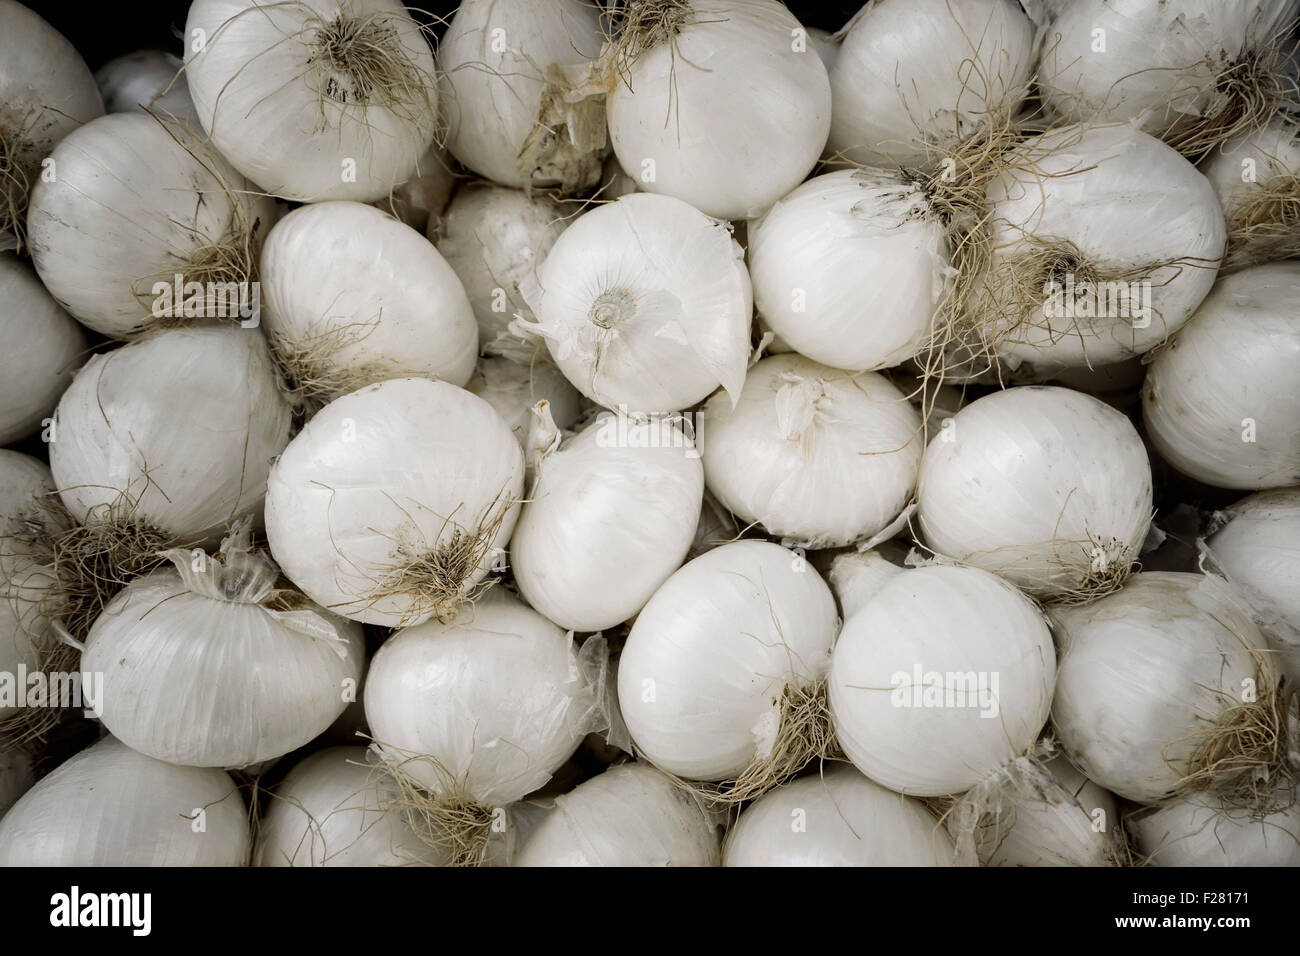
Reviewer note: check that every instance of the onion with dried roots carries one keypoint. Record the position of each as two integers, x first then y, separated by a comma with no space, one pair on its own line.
1202,831
147,78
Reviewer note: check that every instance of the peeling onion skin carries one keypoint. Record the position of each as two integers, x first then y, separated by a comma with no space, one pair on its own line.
1222,402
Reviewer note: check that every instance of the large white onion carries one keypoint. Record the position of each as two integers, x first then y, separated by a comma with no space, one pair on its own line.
494,238
1046,486
611,514
393,501
1146,674
353,296
1222,403
912,79
138,200
836,818
1201,831
942,677
513,388
818,455
722,109
703,677
42,347
46,91
149,79
848,269
331,811
175,431
645,302
332,99
110,806
630,815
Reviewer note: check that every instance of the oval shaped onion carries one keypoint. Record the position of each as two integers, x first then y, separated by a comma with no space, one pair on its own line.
645,302
1201,831
815,454
611,514
849,268
630,815
393,501
334,99
1222,402
110,806
836,818
718,105
1048,487
330,811
353,297
513,388
702,681
942,677
487,707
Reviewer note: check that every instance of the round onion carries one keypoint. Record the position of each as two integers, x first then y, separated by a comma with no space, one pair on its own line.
1246,163
393,501
715,658
150,79
714,104
333,99
836,818
1048,487
1222,402
630,815
611,514
815,454
353,297
1201,831
645,302
110,806
915,76
941,678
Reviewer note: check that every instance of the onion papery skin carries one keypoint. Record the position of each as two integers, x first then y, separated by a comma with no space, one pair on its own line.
513,388
110,806
1200,831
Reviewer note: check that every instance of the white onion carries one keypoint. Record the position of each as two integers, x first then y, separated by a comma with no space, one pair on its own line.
495,237
1241,166
209,664
393,501
42,347
645,302
330,811
28,591
137,201
1106,205
16,776
353,296
1145,675
856,576
611,514
826,46
513,388
332,99
717,527
175,431
488,706
725,112
848,271
915,77
836,818
420,201
1048,487
25,487
46,91
150,79
630,815
942,677
505,66
703,675
110,806
818,455
1201,831
1222,402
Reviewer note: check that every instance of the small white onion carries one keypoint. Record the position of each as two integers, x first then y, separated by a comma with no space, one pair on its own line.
645,302
1046,486
394,501
702,677
1241,166
611,514
836,818
150,79
1222,402
25,486
1201,831
818,455
352,296
724,112
630,815
333,99
513,388
110,806
331,811
942,677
